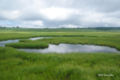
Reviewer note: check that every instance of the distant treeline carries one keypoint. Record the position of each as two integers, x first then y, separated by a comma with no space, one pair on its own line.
8,27
107,28
95,29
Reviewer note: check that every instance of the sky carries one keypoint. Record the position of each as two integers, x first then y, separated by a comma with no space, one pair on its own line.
60,13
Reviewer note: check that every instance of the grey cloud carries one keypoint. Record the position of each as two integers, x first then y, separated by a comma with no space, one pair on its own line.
28,15
114,15
104,12
73,19
98,5
2,18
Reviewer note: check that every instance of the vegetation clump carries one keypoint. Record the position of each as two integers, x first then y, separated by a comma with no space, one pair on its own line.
27,45
25,40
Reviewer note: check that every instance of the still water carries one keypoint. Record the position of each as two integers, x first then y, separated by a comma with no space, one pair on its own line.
65,48
2,43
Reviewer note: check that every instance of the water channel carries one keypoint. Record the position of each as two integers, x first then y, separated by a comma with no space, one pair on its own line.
65,48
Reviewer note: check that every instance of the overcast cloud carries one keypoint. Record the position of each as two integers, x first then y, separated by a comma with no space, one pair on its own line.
60,13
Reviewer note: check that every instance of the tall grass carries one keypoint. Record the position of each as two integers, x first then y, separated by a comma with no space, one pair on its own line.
19,65
27,45
25,40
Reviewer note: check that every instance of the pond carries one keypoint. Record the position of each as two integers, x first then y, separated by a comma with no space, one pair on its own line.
65,48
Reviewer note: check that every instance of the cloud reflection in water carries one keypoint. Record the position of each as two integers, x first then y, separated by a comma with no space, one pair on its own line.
64,48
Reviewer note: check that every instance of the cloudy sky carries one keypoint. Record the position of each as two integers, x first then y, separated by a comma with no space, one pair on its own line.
60,13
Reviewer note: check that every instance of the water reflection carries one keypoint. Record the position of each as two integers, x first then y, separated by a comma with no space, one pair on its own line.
37,38
2,43
64,48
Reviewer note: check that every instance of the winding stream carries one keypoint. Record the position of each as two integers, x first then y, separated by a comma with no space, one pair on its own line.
65,48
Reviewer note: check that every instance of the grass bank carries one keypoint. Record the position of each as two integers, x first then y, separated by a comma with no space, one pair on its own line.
19,65
104,41
27,45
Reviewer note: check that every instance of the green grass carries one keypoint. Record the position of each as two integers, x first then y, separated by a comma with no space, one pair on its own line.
27,45
19,65
8,33
104,41
25,40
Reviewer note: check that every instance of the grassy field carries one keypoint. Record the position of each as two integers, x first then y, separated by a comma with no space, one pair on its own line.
7,34
20,65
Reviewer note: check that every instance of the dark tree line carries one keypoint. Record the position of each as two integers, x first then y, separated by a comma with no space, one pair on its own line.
8,27
107,28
